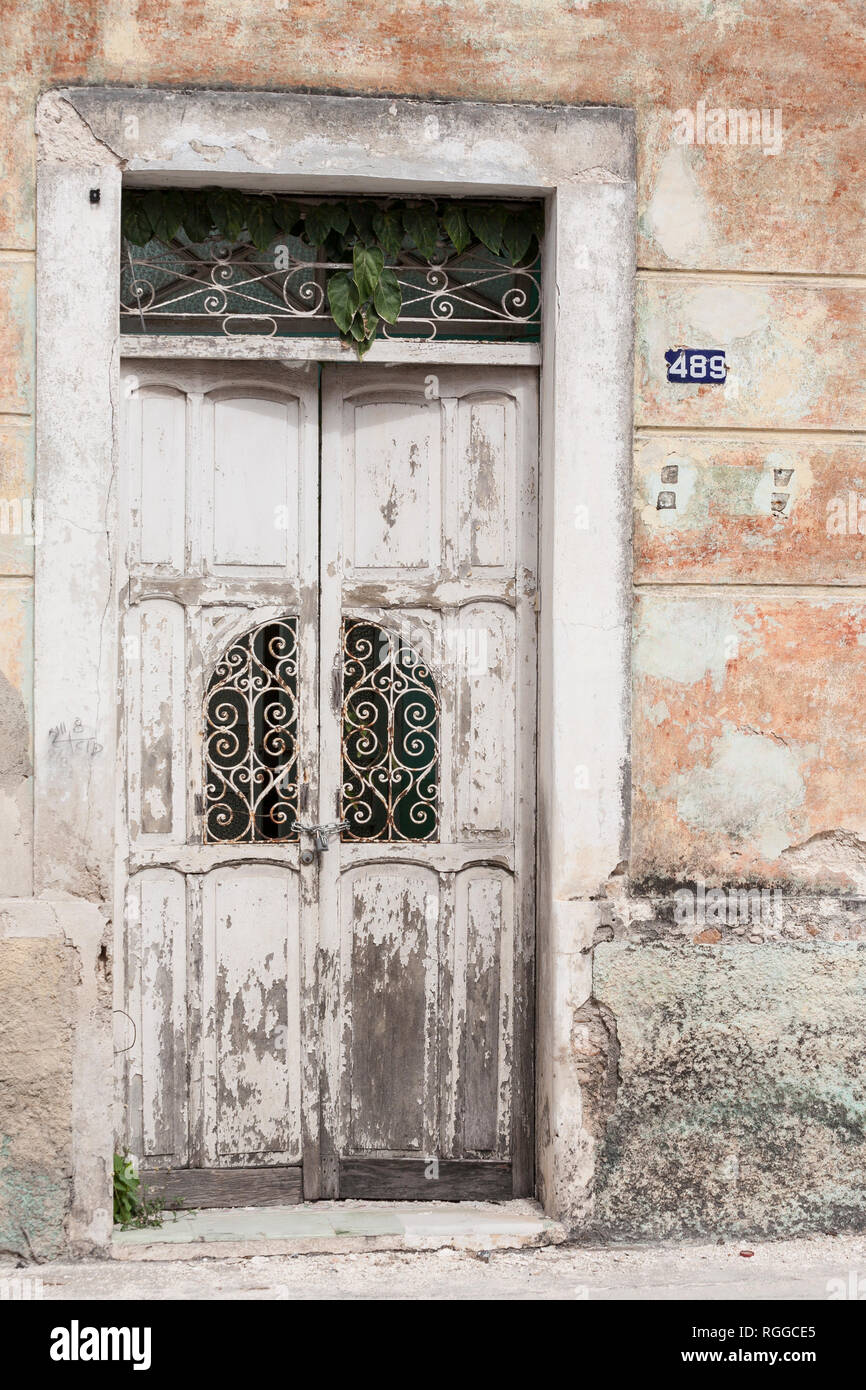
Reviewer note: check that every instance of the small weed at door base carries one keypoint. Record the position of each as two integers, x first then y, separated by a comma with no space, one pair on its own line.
131,1207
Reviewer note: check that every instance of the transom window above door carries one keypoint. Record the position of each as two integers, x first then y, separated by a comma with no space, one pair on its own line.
220,261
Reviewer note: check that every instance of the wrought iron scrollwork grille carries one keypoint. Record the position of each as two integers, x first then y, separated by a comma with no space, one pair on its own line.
390,738
251,738
215,288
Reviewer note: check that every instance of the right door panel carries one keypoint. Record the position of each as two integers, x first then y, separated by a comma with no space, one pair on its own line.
428,586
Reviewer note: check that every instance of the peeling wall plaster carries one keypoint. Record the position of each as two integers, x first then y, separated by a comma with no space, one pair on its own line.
751,784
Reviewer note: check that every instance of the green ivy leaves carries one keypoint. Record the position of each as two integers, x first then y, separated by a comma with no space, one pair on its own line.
367,265
389,231
387,297
422,228
136,223
456,225
367,232
488,224
318,224
343,300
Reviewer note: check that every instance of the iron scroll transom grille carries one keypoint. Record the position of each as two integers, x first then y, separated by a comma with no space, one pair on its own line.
238,290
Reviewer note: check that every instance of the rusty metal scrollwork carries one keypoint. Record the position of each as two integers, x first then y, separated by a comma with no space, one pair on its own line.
251,738
390,738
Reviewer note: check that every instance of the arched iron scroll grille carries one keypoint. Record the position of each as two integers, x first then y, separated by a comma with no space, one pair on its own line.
390,738
251,738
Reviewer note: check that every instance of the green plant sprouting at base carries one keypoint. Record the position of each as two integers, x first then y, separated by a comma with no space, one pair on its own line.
131,1208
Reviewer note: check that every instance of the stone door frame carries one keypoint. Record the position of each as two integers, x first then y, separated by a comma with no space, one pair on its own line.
581,161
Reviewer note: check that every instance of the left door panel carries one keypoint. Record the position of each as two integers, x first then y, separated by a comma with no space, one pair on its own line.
218,502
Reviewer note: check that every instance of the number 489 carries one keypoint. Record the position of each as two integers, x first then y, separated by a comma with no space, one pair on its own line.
698,366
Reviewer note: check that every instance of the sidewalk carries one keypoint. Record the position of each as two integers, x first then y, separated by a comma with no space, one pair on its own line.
809,1268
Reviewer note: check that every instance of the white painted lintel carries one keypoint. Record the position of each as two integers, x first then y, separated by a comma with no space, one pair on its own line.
256,348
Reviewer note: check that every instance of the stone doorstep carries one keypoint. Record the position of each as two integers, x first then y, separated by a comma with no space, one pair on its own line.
334,1228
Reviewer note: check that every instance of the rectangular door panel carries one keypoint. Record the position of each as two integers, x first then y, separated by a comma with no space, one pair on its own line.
154,655
483,970
485,757
488,473
390,921
153,1051
254,482
250,1016
157,454
393,485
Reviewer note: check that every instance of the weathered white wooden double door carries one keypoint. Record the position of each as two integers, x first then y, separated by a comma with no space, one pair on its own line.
328,600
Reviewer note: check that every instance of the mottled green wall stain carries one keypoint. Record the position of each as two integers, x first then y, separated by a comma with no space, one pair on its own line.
741,1098
33,1208
37,981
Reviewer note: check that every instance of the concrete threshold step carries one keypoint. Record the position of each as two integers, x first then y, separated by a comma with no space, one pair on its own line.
333,1228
